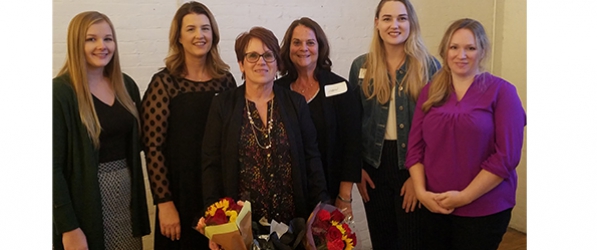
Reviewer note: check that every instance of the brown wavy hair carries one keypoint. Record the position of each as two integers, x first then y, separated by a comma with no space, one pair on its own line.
323,60
175,61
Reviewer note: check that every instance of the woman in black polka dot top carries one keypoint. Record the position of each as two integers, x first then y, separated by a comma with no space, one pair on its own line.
174,113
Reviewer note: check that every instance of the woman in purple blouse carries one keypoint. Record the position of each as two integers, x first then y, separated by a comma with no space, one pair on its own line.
465,144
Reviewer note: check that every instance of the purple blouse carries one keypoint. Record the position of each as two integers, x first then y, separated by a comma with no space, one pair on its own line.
455,141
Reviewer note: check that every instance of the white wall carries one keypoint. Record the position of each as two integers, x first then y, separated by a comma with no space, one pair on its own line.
142,28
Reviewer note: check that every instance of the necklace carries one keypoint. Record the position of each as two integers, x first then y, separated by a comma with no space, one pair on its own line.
267,131
303,90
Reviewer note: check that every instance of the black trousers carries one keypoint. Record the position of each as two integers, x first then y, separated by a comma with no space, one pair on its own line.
451,232
390,227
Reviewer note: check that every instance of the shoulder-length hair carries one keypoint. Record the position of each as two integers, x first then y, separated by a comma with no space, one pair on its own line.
441,84
323,60
376,82
175,61
76,68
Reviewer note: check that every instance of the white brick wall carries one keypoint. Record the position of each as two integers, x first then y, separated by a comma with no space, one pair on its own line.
142,28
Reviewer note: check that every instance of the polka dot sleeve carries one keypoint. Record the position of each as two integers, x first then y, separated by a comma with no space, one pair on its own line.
154,113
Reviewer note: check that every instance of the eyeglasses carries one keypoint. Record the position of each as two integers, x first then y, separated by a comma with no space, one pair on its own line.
254,57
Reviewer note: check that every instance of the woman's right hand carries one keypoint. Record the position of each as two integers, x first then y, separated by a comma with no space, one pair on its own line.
169,220
362,186
74,240
429,201
201,227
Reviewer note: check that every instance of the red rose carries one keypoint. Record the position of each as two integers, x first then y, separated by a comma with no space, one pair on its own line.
337,244
232,205
333,234
337,215
346,228
323,215
354,238
218,218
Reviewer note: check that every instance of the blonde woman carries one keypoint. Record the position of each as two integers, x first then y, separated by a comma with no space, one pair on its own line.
98,189
391,77
465,145
174,113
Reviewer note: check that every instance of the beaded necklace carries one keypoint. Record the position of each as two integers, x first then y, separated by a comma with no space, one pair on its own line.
267,131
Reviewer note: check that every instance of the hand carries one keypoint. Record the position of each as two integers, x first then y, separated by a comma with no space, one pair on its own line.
74,240
362,186
169,220
429,201
201,227
214,246
410,200
452,199
345,208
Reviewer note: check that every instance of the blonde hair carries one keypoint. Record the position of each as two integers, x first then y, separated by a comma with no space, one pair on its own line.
75,67
175,61
376,82
441,83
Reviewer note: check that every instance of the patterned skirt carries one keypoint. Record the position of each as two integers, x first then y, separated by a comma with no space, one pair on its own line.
115,187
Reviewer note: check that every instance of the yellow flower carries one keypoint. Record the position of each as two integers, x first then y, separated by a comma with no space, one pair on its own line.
339,226
348,242
211,210
232,215
223,204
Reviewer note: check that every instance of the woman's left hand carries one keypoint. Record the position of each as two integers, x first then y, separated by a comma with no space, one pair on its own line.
345,208
409,203
451,199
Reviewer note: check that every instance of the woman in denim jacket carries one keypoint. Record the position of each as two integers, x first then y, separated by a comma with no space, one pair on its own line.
391,77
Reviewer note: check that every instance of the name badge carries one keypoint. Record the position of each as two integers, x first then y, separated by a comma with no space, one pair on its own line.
362,73
335,89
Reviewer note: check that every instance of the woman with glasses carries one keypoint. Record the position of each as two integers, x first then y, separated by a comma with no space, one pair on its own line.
260,143
333,104
174,113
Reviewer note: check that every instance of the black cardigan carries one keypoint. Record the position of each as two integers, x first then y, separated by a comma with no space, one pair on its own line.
76,195
220,149
342,118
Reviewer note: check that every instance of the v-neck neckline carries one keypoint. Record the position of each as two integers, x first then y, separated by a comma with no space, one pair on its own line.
100,100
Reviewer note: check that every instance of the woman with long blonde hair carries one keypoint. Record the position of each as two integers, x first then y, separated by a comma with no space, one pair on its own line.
390,77
98,189
465,144
174,114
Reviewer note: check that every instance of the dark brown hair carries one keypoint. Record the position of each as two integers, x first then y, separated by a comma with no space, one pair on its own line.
323,60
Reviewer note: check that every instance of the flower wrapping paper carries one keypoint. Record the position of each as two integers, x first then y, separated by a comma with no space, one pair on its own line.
327,229
233,232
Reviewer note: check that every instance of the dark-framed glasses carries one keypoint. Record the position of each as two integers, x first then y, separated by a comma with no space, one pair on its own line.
254,57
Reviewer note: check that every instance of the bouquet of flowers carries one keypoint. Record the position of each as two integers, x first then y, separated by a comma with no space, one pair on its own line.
327,229
228,224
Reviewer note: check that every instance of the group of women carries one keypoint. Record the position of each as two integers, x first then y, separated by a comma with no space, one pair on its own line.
431,148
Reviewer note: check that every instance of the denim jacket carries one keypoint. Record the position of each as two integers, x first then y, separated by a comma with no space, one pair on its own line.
375,115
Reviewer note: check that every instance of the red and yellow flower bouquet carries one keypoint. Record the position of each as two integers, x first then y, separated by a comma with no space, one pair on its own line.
229,224
327,229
